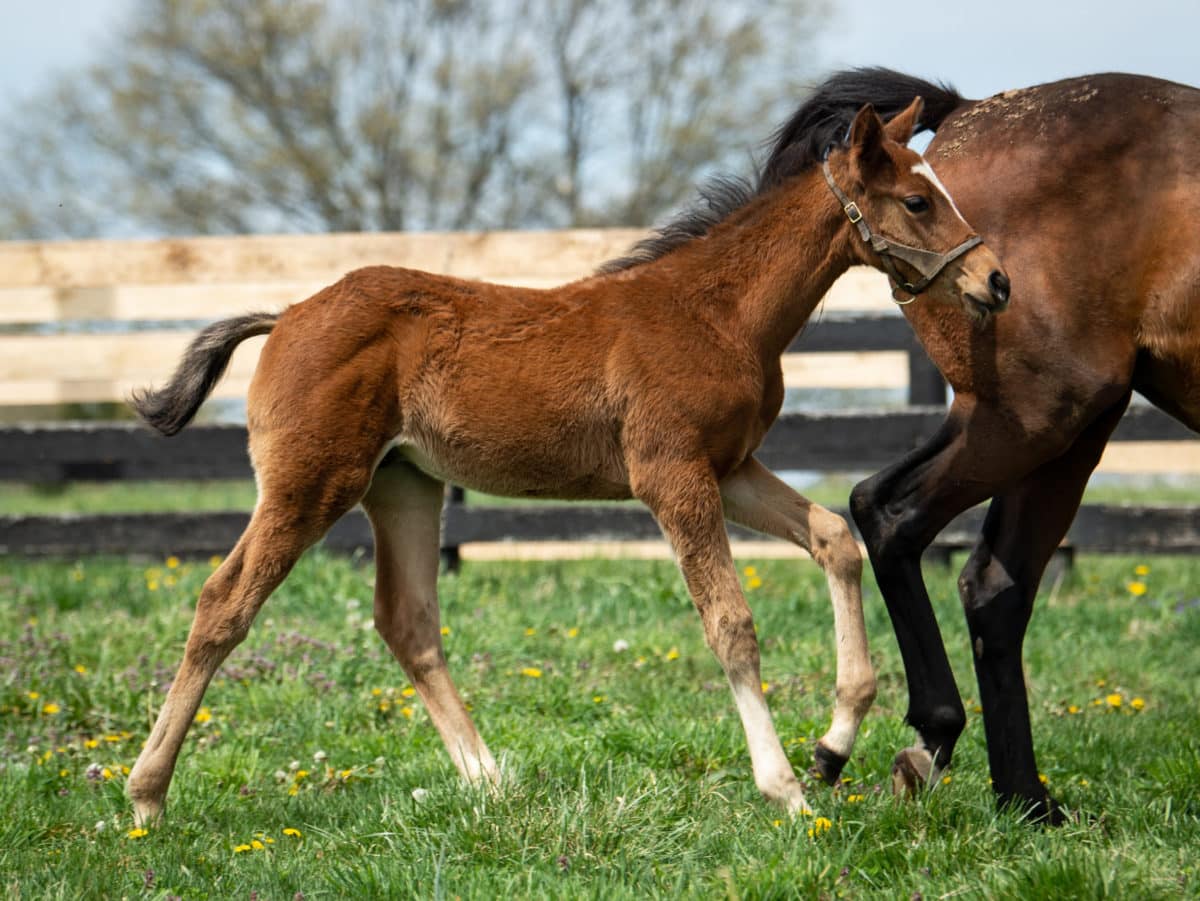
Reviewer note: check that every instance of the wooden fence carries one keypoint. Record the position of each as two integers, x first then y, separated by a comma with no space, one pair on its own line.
87,321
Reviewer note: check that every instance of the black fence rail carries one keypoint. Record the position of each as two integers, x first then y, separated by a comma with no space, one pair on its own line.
847,440
838,441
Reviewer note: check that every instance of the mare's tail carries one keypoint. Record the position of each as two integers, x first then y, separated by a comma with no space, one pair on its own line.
824,118
172,407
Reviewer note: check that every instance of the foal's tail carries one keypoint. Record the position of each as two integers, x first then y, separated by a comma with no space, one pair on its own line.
823,120
172,407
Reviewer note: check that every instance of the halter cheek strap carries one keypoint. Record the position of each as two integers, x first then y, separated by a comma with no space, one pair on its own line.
927,262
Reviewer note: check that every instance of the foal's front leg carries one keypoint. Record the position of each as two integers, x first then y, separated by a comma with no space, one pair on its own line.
755,498
685,499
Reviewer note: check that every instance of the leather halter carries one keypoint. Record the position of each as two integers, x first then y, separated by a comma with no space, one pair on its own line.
927,262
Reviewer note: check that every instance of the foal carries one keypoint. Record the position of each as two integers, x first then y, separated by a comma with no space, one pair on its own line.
655,379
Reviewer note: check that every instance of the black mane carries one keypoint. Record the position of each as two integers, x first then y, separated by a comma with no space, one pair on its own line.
821,122
824,119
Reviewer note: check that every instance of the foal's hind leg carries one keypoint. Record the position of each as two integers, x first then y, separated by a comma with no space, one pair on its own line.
685,499
755,498
404,506
288,519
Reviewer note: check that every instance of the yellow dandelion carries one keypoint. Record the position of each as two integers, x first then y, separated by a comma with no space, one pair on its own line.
1113,700
64,773
753,582
1083,782
1043,778
1073,709
750,572
257,845
572,632
408,691
376,692
239,849
530,631
91,743
152,585
51,709
819,826
32,695
445,630
106,773
854,799
112,739
766,687
1137,589
203,715
1137,703
214,561
407,712
598,699
672,654
532,672
294,833
1141,570
81,669
777,823
172,562
294,790
346,774
137,833
1100,683
385,706
946,780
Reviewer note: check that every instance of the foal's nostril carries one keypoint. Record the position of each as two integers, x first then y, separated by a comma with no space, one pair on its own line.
999,285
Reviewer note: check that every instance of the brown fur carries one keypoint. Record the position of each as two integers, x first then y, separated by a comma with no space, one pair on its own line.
656,381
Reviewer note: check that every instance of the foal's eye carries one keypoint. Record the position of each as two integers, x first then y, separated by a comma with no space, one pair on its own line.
916,204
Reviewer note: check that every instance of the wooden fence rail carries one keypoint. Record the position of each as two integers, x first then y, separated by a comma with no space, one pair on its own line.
88,320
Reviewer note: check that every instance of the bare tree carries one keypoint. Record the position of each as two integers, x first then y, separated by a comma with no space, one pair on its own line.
215,116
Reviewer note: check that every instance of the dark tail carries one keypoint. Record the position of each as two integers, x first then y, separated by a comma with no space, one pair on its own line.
172,407
824,118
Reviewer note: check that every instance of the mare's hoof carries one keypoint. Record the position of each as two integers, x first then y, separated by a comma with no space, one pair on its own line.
827,765
911,771
1044,811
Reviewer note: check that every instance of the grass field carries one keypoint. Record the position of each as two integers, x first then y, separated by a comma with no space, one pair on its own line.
312,771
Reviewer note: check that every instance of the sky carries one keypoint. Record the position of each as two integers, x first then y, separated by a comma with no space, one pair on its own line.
980,48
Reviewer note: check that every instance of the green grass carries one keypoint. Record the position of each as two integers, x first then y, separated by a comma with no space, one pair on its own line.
645,792
235,494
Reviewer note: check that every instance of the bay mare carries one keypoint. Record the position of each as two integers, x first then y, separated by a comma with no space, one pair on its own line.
1089,189
655,379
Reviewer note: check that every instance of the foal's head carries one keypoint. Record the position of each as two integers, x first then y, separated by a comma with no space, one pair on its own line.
904,222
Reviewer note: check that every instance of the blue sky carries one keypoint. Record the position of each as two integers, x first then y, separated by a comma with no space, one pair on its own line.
981,48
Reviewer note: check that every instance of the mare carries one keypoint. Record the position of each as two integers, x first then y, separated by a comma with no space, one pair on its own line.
655,379
1089,189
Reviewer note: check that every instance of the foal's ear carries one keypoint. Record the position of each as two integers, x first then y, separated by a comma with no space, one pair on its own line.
900,128
866,142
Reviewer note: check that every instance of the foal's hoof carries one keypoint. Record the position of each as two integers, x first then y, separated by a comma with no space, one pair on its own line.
827,765
911,772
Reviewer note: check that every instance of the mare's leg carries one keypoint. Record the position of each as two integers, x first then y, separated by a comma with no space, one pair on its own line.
684,497
404,506
292,513
755,498
978,451
1023,527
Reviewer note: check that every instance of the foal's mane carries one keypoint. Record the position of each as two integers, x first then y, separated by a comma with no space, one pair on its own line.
821,122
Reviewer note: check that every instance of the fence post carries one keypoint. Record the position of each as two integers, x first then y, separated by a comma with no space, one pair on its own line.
451,561
926,387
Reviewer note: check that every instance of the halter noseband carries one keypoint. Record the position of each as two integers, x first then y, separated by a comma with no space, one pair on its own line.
926,262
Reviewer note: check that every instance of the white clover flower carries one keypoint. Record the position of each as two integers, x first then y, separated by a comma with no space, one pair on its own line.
420,794
620,646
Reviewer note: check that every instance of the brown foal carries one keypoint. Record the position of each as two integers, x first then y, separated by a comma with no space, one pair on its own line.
655,379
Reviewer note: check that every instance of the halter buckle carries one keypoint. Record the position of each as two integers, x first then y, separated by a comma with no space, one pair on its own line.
853,213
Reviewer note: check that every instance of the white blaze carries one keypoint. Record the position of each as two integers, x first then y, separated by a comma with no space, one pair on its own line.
924,169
